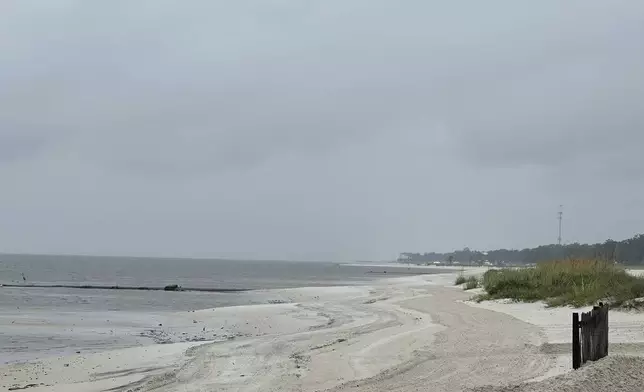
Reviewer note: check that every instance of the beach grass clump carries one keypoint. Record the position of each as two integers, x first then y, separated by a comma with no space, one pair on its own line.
566,282
460,279
472,282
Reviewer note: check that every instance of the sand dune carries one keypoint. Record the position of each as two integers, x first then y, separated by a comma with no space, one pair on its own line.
614,373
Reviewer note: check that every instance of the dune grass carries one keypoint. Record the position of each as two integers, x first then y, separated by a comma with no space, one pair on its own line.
469,283
565,282
472,282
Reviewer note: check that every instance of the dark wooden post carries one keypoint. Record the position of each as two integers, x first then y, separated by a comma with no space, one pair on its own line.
602,331
576,347
585,337
599,332
606,330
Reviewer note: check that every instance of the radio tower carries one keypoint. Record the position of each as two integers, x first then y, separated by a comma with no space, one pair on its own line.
560,217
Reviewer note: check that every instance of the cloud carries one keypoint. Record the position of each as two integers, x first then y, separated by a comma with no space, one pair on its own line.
207,86
18,146
337,125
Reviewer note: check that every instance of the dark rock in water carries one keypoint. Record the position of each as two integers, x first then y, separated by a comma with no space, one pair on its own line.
172,287
25,387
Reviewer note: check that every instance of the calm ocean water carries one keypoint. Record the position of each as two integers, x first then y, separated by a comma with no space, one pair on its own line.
40,322
224,274
198,273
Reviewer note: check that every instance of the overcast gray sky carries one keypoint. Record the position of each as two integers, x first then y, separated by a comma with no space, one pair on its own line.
337,130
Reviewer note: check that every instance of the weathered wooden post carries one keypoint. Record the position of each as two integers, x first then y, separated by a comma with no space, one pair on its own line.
584,327
602,331
594,333
605,330
576,346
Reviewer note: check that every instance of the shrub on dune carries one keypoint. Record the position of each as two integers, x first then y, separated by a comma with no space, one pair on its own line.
566,282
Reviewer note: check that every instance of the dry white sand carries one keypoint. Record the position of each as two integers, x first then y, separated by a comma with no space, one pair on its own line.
613,373
402,334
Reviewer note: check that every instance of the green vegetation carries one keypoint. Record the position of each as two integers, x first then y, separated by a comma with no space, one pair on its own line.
471,283
628,252
567,282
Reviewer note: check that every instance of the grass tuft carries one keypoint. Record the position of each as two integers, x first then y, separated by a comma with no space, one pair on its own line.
471,283
566,282
460,280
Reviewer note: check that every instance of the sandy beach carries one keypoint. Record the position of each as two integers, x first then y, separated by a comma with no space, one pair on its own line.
397,334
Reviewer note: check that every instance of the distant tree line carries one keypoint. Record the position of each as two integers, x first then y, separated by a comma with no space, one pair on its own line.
629,251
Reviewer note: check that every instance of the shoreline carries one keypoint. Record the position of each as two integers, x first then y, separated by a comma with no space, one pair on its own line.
49,320
394,333
43,319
